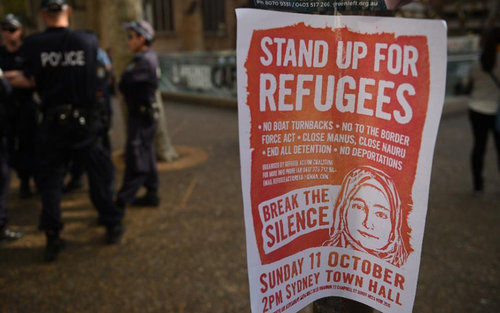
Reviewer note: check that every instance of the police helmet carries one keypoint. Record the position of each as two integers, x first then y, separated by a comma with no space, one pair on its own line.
53,5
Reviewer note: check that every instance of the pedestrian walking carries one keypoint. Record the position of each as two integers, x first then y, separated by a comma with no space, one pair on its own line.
483,108
61,63
6,234
138,84
20,105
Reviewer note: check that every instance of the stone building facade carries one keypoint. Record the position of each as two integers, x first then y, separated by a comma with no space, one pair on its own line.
181,25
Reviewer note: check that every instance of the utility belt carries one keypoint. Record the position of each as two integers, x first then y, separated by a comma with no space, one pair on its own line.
65,115
75,126
151,111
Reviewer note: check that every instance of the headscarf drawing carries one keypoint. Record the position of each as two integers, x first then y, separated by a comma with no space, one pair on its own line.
394,250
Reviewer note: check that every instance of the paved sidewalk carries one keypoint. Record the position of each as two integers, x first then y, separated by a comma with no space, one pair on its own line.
189,255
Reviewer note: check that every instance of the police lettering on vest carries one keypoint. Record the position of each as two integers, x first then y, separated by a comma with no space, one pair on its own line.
69,58
63,64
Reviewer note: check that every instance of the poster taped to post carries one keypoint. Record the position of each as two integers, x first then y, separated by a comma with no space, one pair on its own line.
338,117
330,5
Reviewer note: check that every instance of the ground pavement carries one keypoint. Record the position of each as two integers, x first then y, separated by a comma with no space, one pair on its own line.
189,254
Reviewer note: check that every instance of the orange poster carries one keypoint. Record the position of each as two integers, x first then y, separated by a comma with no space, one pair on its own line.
338,118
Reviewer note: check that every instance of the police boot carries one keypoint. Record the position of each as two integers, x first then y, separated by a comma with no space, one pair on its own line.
150,199
114,233
9,235
25,190
120,205
54,246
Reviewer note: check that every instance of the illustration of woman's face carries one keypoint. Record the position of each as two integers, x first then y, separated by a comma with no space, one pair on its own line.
369,217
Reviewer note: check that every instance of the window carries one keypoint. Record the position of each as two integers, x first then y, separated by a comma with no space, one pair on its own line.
161,14
214,16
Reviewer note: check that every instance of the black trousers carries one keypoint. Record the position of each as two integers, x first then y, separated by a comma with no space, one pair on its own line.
482,125
4,183
76,168
54,148
140,159
22,136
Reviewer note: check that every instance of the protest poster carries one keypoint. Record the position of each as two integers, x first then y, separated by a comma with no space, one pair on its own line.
330,5
338,117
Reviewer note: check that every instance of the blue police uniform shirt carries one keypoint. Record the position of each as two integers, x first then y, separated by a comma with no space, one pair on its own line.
139,81
63,63
103,57
103,62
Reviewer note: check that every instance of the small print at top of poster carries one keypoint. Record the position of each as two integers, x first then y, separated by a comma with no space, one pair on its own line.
338,117
330,5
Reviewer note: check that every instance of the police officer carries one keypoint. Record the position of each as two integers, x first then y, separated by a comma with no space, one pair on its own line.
138,84
62,64
76,168
5,233
21,106
484,109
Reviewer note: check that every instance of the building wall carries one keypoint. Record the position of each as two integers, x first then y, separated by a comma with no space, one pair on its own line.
189,34
463,16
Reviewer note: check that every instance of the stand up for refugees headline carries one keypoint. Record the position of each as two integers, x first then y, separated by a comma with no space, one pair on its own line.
346,93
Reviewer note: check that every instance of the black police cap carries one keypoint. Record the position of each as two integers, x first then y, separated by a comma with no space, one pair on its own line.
53,5
11,20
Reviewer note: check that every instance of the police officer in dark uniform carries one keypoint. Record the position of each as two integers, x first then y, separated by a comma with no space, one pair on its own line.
61,63
76,168
138,84
5,233
21,106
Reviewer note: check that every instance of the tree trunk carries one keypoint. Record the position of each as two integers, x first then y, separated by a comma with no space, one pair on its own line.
191,30
165,151
112,15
